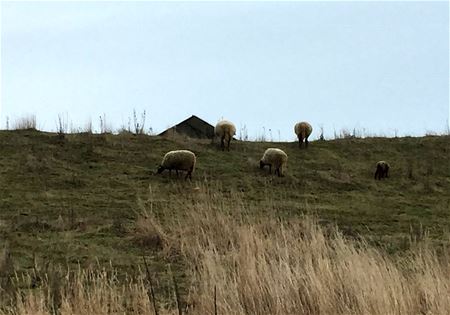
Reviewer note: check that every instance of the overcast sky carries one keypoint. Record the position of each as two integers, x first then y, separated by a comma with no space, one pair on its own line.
377,66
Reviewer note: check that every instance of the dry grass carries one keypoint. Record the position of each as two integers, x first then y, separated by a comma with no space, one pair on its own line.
148,232
6,263
27,122
81,292
298,267
255,266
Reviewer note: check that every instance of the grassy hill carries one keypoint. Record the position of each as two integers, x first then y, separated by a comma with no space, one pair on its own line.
79,200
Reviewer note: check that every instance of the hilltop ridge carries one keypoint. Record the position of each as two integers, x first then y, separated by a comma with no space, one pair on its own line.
95,184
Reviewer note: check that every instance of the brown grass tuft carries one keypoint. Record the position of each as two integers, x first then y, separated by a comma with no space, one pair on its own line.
148,233
27,122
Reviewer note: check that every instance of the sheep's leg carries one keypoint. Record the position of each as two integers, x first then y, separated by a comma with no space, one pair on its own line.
170,172
383,173
189,173
300,142
380,173
177,172
229,140
306,143
222,143
270,168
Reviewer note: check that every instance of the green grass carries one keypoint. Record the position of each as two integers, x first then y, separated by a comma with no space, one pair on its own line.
76,200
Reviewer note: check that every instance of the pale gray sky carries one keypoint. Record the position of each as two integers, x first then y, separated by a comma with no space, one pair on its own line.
381,66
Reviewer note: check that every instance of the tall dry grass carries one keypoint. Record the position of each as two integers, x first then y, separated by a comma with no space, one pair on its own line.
237,264
26,122
268,266
80,292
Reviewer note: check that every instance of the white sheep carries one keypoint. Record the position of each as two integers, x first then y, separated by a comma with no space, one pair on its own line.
276,158
302,130
225,130
382,169
179,160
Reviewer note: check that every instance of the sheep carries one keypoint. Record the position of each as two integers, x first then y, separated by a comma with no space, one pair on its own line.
179,160
225,130
302,130
276,158
382,169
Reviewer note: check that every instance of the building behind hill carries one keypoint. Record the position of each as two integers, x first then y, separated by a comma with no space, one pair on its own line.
193,127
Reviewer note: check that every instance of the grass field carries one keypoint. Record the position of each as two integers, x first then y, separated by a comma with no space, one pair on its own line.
88,201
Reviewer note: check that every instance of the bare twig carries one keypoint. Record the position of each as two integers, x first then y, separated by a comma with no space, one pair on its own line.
62,125
150,292
215,300
138,125
177,295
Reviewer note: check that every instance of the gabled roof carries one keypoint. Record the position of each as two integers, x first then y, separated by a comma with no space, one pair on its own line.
193,127
195,118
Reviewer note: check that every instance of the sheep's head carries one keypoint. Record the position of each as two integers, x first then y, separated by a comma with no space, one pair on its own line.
160,169
261,164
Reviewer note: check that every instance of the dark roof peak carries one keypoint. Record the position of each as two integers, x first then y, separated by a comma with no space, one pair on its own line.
193,126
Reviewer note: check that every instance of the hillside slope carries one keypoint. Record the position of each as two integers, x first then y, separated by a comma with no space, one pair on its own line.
77,200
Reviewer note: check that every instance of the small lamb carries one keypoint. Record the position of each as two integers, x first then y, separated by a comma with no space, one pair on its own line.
382,169
276,158
179,160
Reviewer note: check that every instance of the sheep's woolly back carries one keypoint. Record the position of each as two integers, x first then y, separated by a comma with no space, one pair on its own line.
383,164
275,157
179,160
303,128
225,129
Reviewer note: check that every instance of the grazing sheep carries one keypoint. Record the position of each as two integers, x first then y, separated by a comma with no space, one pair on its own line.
302,130
382,170
179,160
225,130
276,158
